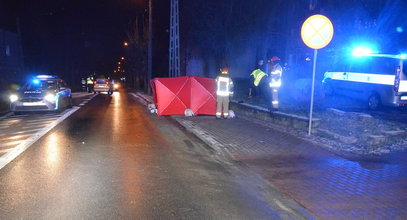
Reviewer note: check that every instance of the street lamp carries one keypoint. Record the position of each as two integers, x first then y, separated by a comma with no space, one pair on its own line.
126,44
122,58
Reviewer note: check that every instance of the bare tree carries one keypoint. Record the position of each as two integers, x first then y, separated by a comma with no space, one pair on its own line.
137,53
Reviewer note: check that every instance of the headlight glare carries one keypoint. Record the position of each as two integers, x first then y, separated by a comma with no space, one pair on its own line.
50,97
13,98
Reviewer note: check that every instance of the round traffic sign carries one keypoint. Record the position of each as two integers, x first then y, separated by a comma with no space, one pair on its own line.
317,31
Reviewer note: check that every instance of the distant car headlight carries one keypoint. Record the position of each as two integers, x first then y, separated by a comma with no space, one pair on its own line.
13,98
50,97
116,86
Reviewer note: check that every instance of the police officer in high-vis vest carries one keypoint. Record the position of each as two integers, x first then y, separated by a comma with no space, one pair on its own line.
258,77
89,84
255,78
275,81
224,86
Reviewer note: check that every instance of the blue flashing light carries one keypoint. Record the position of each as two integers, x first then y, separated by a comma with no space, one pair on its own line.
46,77
403,56
400,29
362,51
36,81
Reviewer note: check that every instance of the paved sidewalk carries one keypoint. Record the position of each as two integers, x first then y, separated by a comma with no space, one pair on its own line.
329,186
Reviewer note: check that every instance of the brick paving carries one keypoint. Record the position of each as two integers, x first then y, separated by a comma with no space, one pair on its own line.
329,186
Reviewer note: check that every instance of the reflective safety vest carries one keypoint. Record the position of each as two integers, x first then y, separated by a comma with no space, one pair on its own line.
275,75
258,75
89,81
224,86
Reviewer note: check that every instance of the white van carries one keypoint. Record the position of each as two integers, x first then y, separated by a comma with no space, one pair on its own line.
376,81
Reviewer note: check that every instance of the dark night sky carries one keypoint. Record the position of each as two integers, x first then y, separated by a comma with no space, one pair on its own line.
60,36
83,36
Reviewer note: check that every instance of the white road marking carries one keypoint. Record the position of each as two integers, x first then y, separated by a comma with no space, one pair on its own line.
33,123
17,116
9,156
33,127
14,137
5,150
12,143
29,131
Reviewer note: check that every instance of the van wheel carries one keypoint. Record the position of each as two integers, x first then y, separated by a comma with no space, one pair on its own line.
373,102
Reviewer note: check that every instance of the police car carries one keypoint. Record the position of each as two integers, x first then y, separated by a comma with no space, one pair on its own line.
378,81
42,93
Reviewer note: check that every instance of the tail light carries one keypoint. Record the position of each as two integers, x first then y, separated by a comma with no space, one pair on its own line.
107,82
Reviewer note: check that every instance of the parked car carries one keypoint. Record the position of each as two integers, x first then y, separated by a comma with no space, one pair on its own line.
103,85
42,93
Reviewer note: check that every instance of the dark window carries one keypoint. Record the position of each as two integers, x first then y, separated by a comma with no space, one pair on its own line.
101,81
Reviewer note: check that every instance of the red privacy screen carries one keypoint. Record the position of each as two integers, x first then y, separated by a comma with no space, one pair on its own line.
173,95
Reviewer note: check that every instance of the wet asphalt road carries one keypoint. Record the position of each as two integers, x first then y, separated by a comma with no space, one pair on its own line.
111,160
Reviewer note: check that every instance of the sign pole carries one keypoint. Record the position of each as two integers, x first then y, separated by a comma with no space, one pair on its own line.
312,92
316,32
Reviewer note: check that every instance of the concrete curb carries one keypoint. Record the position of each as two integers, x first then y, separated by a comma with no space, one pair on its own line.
295,121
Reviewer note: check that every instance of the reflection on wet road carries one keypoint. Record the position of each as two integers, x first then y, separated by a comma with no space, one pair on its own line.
19,131
112,161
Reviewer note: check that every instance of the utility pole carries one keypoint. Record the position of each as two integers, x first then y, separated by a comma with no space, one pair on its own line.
149,45
174,62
